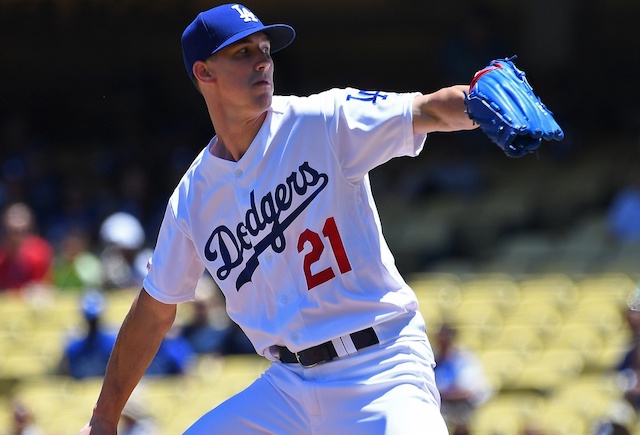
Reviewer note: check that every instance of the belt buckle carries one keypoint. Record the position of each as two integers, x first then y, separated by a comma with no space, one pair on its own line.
306,366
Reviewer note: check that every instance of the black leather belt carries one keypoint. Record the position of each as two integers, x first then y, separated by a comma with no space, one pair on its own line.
326,352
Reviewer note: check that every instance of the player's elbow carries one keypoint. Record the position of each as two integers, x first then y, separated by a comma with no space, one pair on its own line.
160,314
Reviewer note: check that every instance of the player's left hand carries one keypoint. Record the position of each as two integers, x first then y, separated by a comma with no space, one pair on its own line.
95,428
85,430
502,102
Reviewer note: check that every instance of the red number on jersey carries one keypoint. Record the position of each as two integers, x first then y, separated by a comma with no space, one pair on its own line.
330,231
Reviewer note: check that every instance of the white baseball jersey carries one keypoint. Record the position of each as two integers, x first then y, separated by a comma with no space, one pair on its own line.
290,232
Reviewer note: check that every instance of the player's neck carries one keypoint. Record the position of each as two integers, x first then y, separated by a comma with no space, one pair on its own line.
235,135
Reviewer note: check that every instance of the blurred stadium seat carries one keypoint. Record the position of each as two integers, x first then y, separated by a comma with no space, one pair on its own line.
502,366
549,370
541,316
507,414
499,289
549,334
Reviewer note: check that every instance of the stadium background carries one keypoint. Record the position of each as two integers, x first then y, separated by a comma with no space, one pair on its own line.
96,90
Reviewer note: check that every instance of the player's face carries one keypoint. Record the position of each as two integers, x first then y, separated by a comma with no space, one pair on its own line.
244,72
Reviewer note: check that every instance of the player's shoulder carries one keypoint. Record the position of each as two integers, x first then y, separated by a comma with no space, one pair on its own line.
336,97
314,98
315,103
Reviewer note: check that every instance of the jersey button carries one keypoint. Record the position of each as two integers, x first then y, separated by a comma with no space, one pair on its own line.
294,337
284,299
239,173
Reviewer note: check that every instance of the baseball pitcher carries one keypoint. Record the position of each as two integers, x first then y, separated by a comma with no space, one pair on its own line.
278,209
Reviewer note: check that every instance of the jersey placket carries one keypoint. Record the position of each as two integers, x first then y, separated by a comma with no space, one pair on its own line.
272,274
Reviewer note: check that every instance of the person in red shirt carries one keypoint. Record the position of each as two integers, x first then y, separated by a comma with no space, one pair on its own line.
25,257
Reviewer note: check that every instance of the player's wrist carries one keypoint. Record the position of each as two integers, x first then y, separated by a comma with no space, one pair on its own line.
103,421
99,427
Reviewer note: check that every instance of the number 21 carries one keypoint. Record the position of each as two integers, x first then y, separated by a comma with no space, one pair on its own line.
330,231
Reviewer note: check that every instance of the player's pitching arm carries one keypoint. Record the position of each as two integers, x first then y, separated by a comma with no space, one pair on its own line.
139,338
443,110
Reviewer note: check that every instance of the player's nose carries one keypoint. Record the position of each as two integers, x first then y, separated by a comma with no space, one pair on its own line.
264,63
263,66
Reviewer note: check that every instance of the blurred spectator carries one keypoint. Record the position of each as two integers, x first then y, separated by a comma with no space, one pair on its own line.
174,356
632,317
24,171
133,190
237,343
532,428
617,420
460,379
124,257
206,328
610,428
87,355
75,266
458,171
25,257
210,330
76,209
629,367
624,211
23,422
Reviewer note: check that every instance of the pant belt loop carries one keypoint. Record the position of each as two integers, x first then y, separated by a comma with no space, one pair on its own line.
349,345
341,350
344,346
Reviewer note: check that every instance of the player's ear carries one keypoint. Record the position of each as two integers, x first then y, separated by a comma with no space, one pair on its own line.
202,72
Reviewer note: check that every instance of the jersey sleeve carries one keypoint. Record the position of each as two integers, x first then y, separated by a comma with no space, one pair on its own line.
369,128
174,268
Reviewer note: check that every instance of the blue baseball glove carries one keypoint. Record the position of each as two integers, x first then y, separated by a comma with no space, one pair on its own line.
501,101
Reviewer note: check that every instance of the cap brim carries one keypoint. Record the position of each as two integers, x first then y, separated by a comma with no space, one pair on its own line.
280,36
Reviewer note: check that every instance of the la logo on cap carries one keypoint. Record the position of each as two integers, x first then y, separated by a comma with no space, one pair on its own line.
221,26
245,13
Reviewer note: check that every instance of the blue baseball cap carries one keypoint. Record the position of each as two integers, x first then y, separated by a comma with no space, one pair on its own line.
93,304
216,28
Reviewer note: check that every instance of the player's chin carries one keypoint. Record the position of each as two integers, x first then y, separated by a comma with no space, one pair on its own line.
263,99
264,89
